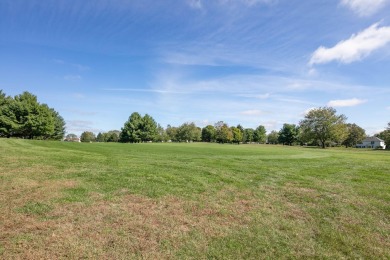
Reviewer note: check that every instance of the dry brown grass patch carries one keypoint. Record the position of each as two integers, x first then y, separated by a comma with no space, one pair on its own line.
131,225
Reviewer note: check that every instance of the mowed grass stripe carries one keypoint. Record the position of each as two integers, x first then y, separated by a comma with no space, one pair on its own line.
195,200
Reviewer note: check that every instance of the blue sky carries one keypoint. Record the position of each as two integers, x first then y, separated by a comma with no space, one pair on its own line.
253,62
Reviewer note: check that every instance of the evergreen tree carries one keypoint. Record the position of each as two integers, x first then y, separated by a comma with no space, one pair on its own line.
288,134
23,116
139,129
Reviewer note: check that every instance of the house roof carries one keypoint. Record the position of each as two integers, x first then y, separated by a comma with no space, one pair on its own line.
371,139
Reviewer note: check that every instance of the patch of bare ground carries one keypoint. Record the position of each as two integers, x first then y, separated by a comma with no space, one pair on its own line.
130,226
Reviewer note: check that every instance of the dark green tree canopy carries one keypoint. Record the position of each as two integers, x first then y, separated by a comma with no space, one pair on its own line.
248,135
288,134
208,134
260,134
24,117
139,129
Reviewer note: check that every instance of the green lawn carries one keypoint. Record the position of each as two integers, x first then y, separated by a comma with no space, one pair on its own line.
192,201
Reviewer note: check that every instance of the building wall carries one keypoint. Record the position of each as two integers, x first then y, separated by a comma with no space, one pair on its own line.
371,145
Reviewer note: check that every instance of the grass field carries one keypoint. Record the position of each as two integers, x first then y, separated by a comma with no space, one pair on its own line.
191,201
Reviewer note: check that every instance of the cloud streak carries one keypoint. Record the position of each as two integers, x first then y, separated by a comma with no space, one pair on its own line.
253,112
356,48
364,7
161,91
346,102
72,77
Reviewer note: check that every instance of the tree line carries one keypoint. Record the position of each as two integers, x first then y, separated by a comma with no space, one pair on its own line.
321,126
23,116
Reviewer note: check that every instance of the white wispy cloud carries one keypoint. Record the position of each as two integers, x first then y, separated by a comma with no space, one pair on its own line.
346,102
79,126
258,96
364,7
162,91
196,4
357,47
253,112
199,4
82,113
72,77
78,95
79,67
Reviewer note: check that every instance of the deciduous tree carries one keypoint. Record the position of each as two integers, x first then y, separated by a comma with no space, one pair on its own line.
385,136
237,135
273,137
189,132
355,135
87,137
223,133
322,124
260,134
208,134
171,132
248,135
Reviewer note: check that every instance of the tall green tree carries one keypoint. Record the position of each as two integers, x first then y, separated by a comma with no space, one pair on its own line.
385,136
260,134
248,136
208,133
87,137
189,132
113,136
149,128
237,135
288,134
100,137
223,133
8,120
171,132
23,116
273,137
139,129
59,126
131,131
323,125
161,134
355,135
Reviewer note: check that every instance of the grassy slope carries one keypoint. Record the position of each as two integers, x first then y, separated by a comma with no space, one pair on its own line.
192,201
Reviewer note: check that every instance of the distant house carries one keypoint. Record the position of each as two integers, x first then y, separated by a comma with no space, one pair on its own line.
72,139
372,142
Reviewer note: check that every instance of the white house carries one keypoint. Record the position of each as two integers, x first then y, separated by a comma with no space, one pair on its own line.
372,142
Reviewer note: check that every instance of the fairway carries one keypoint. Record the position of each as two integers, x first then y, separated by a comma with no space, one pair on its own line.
192,201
